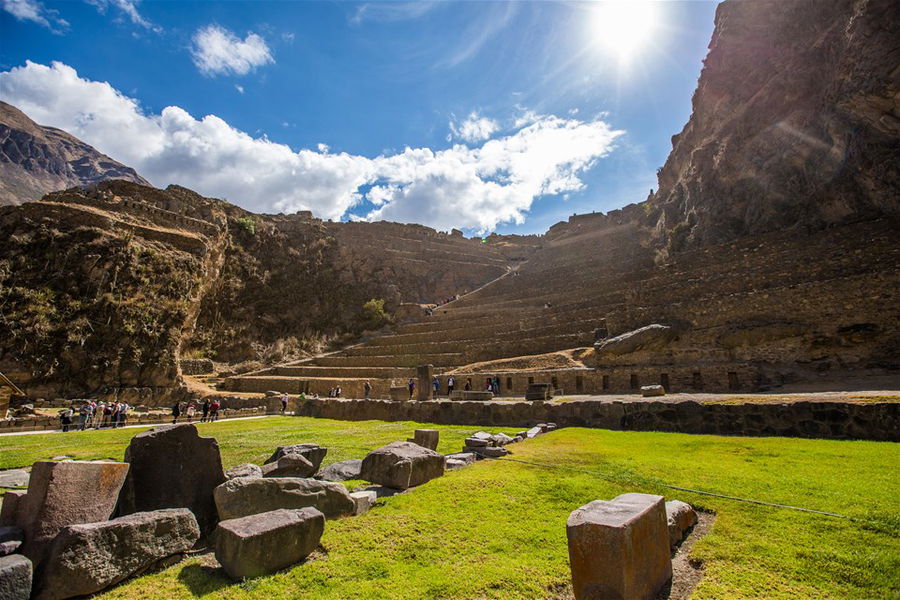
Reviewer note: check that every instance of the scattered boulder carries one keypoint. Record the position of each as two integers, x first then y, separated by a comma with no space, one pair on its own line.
15,577
267,542
244,470
65,493
651,337
501,439
173,467
619,548
11,537
12,478
466,458
680,517
249,496
25,409
272,393
474,442
533,432
289,465
363,501
314,453
402,465
90,557
492,452
550,427
344,470
648,391
427,438
481,435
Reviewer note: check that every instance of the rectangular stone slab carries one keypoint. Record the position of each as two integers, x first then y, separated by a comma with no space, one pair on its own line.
66,493
15,577
267,542
619,549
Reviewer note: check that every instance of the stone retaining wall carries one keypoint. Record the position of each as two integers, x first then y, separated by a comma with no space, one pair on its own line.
834,420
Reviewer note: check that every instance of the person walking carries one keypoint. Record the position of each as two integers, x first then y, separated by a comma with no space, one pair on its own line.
367,389
190,412
411,384
436,384
451,383
123,414
205,417
496,384
83,414
176,412
214,410
284,402
65,418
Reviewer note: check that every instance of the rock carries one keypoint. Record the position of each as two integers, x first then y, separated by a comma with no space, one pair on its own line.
542,427
652,390
289,465
474,442
173,467
481,435
91,557
493,452
272,393
522,434
501,439
9,508
141,409
66,493
244,470
13,478
15,577
344,470
402,465
10,547
533,432
680,517
26,409
651,337
539,391
619,548
550,427
11,537
517,439
363,501
465,457
427,438
267,542
452,463
248,496
314,453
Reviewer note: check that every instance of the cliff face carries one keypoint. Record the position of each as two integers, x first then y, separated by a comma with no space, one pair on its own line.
795,123
35,160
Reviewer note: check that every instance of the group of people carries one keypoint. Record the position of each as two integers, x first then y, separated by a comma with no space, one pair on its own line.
430,311
335,392
209,411
96,415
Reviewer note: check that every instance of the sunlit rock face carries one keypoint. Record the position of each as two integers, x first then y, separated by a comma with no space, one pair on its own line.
796,123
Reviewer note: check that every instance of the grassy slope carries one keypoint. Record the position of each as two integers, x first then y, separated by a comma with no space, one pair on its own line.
497,530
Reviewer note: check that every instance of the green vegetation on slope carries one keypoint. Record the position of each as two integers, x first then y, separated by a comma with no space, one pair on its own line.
497,529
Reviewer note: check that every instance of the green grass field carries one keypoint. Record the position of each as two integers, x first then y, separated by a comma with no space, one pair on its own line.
497,529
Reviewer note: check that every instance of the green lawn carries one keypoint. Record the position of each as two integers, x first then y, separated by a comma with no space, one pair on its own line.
497,529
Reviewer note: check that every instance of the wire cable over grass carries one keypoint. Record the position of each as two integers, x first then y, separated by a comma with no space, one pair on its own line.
650,482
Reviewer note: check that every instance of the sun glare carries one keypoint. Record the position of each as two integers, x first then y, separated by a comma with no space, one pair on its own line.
623,28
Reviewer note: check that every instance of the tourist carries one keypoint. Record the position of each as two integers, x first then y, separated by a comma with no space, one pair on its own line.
107,414
337,392
114,417
123,414
284,401
451,382
84,414
367,389
205,412
190,412
65,418
412,387
436,384
176,412
488,385
468,384
214,410
496,386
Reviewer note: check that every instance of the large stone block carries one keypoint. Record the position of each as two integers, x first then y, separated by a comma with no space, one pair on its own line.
85,559
15,577
314,453
427,438
363,501
244,470
425,375
66,493
249,496
402,465
173,467
619,549
341,471
11,538
267,542
289,465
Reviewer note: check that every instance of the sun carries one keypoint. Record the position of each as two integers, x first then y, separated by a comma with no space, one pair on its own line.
623,28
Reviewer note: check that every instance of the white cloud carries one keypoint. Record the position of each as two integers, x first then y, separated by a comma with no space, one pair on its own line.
391,11
218,51
129,7
474,128
239,88
36,12
460,186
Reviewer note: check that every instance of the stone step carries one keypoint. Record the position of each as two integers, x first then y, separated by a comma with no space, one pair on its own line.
342,372
444,359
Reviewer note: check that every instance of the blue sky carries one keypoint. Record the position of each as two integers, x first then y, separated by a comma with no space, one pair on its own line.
478,115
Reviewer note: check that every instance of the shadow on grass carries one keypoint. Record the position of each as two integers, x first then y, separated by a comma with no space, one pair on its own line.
202,579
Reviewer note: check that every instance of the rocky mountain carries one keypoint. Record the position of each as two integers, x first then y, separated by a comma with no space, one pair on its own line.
35,160
795,123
